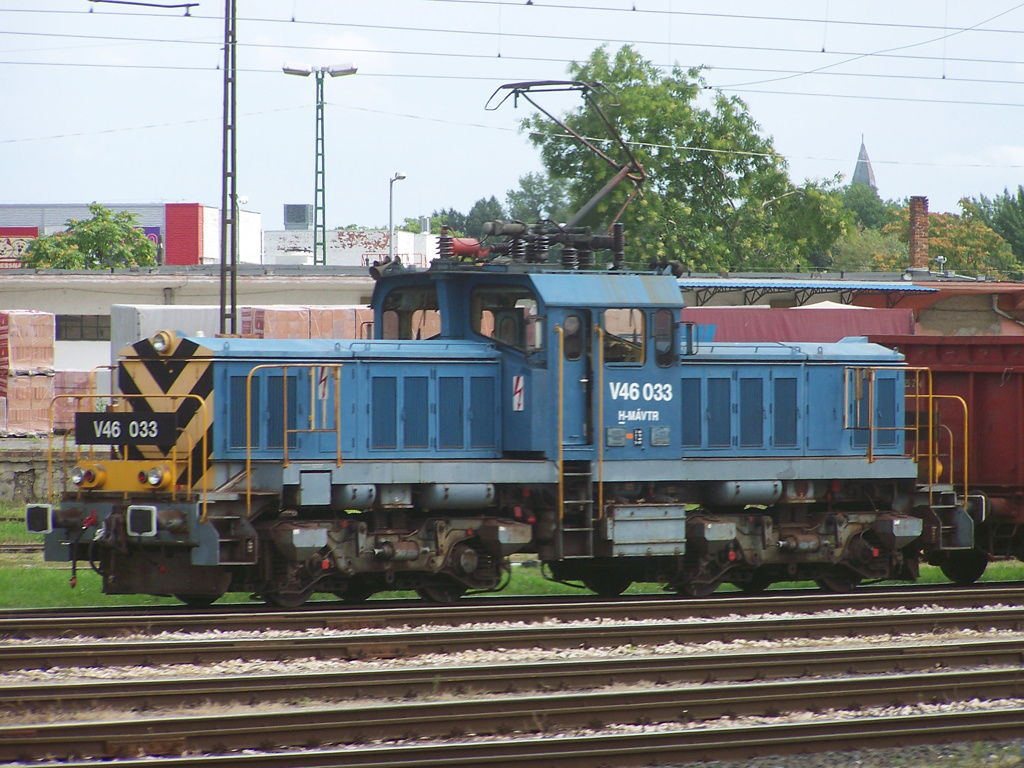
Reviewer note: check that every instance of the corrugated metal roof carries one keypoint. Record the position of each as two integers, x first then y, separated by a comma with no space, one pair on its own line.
744,284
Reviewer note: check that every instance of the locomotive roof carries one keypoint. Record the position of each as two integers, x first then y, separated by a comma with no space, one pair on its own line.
853,349
607,289
338,349
557,288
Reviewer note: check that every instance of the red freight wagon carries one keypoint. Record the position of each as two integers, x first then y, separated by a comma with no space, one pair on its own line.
988,373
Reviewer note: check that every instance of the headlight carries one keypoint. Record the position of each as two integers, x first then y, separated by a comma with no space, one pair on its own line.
162,342
80,476
155,477
88,476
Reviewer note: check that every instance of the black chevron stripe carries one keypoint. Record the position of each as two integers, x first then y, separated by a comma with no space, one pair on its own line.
166,370
199,462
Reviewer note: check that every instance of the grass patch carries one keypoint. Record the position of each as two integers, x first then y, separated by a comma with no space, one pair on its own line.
28,582
47,585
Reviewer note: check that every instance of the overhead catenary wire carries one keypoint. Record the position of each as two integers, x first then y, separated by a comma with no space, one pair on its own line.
429,52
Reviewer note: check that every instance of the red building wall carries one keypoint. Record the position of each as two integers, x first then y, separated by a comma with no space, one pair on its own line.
183,234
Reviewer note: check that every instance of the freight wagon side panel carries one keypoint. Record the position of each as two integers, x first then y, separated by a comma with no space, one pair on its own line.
988,373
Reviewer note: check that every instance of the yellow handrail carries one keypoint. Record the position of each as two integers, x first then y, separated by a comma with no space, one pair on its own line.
335,369
599,437
561,415
928,398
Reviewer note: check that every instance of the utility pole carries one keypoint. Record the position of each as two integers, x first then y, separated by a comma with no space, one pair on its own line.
319,205
229,184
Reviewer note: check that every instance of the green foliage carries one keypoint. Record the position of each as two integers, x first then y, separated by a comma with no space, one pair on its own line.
1004,214
455,220
864,250
869,211
106,241
964,244
717,192
538,197
409,225
483,210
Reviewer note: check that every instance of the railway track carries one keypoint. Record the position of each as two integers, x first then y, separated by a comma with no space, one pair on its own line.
107,622
84,694
597,711
20,549
674,719
403,642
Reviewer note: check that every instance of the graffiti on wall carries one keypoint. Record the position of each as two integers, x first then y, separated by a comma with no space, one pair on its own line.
14,241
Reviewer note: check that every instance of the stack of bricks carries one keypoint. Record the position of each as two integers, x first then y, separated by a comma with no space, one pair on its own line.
275,322
26,371
341,322
302,322
74,386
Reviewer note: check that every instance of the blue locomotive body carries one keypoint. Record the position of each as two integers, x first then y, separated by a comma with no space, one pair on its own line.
503,409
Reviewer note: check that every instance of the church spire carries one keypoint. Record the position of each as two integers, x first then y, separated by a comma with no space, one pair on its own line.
863,174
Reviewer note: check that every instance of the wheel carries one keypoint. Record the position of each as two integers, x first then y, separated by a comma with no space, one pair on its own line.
607,583
965,567
283,599
199,601
838,580
441,592
698,588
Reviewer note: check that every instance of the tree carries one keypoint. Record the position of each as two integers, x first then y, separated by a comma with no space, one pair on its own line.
864,250
1004,214
867,207
538,197
106,241
483,210
960,243
713,180
455,220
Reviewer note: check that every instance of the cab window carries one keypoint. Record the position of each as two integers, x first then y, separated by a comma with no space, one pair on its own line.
664,338
411,313
624,336
509,316
573,343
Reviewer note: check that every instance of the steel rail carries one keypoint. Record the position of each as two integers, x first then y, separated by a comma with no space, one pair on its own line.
100,622
642,747
204,648
80,694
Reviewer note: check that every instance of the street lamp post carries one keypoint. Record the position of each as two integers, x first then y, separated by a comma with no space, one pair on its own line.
319,204
391,214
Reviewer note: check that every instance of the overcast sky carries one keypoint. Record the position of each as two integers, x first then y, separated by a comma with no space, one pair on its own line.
123,104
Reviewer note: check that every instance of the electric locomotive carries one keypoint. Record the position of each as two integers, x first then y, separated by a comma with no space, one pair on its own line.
506,404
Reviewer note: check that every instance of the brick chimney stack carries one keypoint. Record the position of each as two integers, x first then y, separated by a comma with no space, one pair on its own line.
919,233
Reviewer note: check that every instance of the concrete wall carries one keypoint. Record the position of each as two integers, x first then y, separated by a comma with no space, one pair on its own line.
85,293
23,468
348,247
